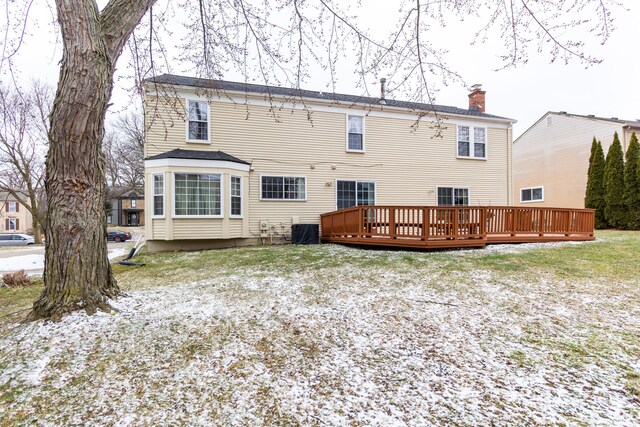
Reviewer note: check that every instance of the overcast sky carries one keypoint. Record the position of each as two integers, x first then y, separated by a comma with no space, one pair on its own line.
524,93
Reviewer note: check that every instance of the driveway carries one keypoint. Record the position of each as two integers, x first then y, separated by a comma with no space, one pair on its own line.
31,258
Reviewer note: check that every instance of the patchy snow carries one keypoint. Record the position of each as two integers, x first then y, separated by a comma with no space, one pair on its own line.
36,261
367,346
22,262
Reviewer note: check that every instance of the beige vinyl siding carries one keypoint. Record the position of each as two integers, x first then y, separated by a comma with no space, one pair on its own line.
158,229
557,158
406,165
197,228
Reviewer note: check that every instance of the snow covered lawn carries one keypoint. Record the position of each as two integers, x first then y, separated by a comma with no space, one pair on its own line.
330,335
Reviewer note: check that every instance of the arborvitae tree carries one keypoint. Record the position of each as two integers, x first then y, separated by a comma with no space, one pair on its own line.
614,184
595,184
632,184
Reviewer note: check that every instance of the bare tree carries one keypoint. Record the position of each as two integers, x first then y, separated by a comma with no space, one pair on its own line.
23,140
124,150
277,41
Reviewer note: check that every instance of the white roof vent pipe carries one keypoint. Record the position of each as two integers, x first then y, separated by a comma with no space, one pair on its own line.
383,89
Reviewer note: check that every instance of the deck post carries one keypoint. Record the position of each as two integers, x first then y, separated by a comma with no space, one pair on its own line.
425,224
360,232
456,225
392,222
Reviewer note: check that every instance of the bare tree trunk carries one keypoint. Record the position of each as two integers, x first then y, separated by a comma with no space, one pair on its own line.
77,273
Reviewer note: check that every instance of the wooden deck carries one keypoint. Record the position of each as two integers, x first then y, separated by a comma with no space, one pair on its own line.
432,227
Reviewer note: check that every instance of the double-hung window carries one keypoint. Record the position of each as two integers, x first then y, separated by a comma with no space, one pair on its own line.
472,142
355,193
133,203
355,133
158,195
198,121
198,194
283,188
12,224
12,207
533,194
451,196
236,196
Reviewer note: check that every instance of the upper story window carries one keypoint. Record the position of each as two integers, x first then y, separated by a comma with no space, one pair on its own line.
12,207
198,118
236,196
283,188
158,195
533,194
133,203
472,142
355,193
451,196
197,194
355,133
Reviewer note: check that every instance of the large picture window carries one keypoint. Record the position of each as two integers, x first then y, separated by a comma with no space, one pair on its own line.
355,137
533,194
198,115
236,196
198,194
283,188
451,196
158,195
355,193
472,142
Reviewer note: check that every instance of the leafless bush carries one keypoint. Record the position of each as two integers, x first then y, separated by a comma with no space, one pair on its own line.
16,280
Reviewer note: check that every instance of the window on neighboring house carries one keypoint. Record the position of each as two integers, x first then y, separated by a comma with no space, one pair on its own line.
109,219
283,188
12,207
12,224
355,193
451,196
198,194
236,196
472,142
355,138
158,195
198,115
533,194
133,203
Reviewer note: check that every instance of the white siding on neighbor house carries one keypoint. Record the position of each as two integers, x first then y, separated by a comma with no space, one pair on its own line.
556,157
406,165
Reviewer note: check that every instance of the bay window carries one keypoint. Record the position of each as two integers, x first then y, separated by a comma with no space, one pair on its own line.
197,194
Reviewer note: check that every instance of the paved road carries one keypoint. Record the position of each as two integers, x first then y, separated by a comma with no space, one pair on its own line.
14,259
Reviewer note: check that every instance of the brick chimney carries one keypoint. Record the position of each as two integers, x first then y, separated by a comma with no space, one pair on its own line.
476,98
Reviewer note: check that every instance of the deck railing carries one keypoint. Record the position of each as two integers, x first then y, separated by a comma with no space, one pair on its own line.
414,224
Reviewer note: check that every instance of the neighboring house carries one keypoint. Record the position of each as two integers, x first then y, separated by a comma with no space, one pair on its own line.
232,163
551,159
127,207
14,216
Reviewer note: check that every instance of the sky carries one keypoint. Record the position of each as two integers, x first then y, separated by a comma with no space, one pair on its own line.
524,93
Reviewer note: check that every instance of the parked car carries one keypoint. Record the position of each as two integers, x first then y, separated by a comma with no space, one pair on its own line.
118,236
15,240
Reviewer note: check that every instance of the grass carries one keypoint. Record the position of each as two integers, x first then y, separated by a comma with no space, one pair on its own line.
564,317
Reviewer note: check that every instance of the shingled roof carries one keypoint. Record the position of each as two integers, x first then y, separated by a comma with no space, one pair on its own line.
223,85
197,155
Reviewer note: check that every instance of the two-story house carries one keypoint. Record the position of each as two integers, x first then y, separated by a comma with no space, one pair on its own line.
229,162
127,206
551,158
14,216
